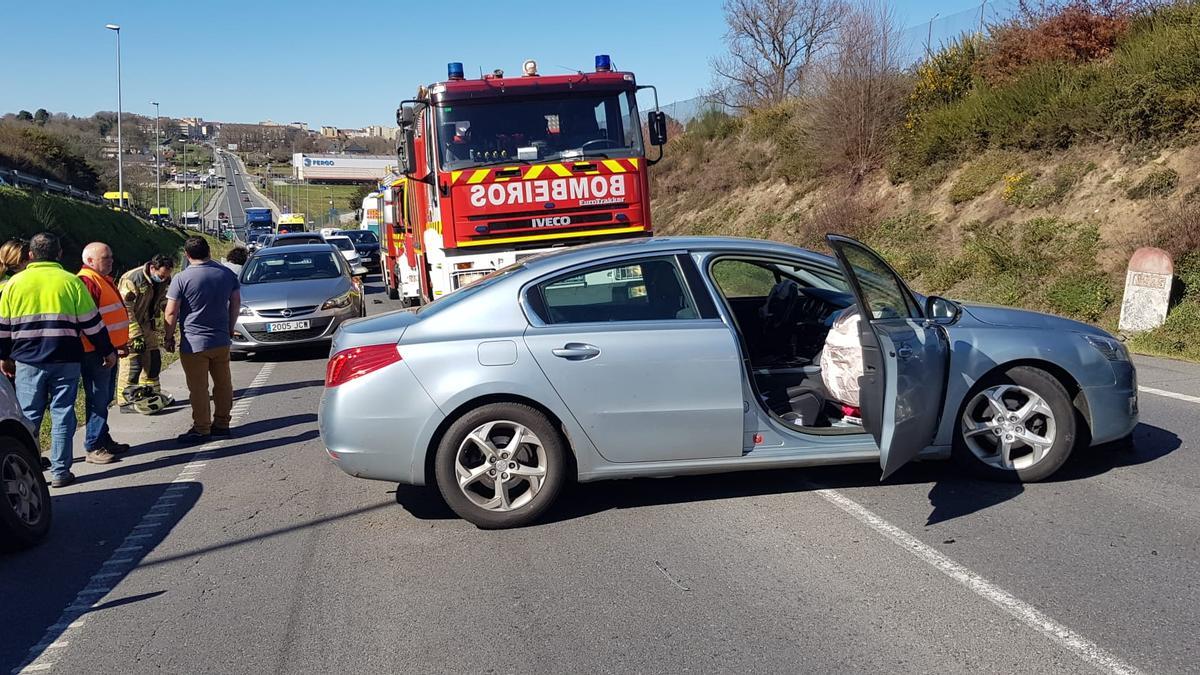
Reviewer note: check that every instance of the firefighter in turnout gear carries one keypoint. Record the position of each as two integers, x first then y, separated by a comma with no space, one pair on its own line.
144,291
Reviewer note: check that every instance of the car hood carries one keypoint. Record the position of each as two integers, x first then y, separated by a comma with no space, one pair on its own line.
279,294
1023,318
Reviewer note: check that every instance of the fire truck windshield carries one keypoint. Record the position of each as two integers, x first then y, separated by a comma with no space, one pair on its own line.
542,128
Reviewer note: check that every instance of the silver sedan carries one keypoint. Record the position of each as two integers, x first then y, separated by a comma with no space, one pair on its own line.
294,295
662,357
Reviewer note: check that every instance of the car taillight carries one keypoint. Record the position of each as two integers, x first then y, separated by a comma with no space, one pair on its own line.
358,361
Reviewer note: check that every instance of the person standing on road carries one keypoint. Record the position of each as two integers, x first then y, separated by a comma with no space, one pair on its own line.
204,300
44,312
99,380
235,259
144,291
14,255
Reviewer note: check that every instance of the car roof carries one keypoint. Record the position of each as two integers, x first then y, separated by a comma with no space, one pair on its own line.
295,248
299,235
600,251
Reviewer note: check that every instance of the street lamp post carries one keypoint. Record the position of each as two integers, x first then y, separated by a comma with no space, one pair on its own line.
120,150
157,168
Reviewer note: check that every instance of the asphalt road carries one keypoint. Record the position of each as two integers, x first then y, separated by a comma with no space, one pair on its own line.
230,197
258,555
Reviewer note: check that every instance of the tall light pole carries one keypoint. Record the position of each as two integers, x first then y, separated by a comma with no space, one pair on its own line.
157,168
120,150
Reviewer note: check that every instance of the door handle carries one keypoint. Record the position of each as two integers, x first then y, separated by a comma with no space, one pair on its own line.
904,352
576,351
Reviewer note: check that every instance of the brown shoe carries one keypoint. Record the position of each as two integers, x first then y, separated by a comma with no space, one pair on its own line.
100,456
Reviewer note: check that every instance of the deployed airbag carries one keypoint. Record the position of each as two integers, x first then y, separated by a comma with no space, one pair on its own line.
841,359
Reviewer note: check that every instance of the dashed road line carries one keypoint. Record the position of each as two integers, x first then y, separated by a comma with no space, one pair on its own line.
74,616
1015,607
1169,394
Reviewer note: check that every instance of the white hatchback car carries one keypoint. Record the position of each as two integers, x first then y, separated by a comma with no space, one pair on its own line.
346,246
25,499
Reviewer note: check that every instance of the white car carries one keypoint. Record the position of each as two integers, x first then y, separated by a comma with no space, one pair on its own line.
346,246
25,499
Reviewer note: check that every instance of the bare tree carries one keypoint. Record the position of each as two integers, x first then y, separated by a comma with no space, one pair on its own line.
860,96
772,44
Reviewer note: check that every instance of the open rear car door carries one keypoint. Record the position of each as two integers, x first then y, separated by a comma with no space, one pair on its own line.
905,356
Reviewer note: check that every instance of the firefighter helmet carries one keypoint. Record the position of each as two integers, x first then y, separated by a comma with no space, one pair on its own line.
149,405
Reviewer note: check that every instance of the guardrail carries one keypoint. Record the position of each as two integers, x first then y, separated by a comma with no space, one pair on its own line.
14,177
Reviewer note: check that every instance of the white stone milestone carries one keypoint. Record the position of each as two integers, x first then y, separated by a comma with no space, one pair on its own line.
1147,290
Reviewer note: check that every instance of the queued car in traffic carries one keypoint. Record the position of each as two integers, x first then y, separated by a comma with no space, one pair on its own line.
663,357
293,238
367,246
294,295
346,248
25,510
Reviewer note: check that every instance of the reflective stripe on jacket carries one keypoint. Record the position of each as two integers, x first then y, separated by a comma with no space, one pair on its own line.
111,308
44,311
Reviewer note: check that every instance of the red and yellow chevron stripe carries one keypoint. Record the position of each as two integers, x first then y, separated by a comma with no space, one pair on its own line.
502,174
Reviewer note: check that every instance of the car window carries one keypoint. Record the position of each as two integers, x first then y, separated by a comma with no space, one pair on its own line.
882,292
646,290
343,243
741,279
301,266
362,236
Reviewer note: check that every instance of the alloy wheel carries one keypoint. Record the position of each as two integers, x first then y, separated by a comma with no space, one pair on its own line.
21,489
500,466
1008,427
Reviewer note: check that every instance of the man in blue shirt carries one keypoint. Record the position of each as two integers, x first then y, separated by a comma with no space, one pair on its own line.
204,300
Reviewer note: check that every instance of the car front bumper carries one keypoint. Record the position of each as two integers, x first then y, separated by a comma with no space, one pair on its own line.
250,333
1113,408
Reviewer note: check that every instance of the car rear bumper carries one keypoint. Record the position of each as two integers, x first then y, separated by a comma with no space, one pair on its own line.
376,426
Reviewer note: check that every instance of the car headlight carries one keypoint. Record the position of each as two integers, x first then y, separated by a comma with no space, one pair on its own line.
245,311
340,302
1112,349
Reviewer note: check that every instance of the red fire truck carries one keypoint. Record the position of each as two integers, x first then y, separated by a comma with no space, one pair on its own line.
499,168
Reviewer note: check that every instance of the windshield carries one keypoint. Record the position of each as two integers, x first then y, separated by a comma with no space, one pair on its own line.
362,236
302,266
343,243
554,127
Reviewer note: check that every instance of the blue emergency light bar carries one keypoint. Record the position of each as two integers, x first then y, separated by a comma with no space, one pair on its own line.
603,63
454,71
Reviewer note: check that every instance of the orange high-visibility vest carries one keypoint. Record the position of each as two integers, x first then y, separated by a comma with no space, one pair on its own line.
112,310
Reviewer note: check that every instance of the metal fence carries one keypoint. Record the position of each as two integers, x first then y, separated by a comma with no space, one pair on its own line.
26,180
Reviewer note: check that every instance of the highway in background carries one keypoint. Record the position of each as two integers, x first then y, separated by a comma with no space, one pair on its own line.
230,198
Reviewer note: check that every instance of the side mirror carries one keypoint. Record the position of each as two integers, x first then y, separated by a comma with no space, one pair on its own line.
404,116
942,310
657,123
406,153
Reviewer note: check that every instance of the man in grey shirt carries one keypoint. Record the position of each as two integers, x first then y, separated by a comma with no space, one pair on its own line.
204,300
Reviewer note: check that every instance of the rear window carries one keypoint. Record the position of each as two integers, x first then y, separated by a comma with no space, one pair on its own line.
343,243
361,236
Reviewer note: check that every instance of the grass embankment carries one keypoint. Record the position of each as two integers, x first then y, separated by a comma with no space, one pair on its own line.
1023,178
313,200
23,214
180,200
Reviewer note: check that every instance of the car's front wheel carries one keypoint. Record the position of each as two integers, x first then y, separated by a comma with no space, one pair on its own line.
1017,426
24,497
501,465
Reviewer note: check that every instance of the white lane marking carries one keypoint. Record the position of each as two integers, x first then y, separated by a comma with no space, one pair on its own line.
1169,394
75,615
1015,607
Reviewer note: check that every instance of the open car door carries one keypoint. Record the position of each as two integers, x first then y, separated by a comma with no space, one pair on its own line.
905,357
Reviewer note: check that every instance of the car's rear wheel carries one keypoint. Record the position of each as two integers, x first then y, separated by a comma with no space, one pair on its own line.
24,497
501,465
1016,426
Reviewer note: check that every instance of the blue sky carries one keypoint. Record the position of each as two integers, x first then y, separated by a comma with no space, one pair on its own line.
339,63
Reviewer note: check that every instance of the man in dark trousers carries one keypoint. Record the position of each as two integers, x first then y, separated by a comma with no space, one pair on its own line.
45,312
203,301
